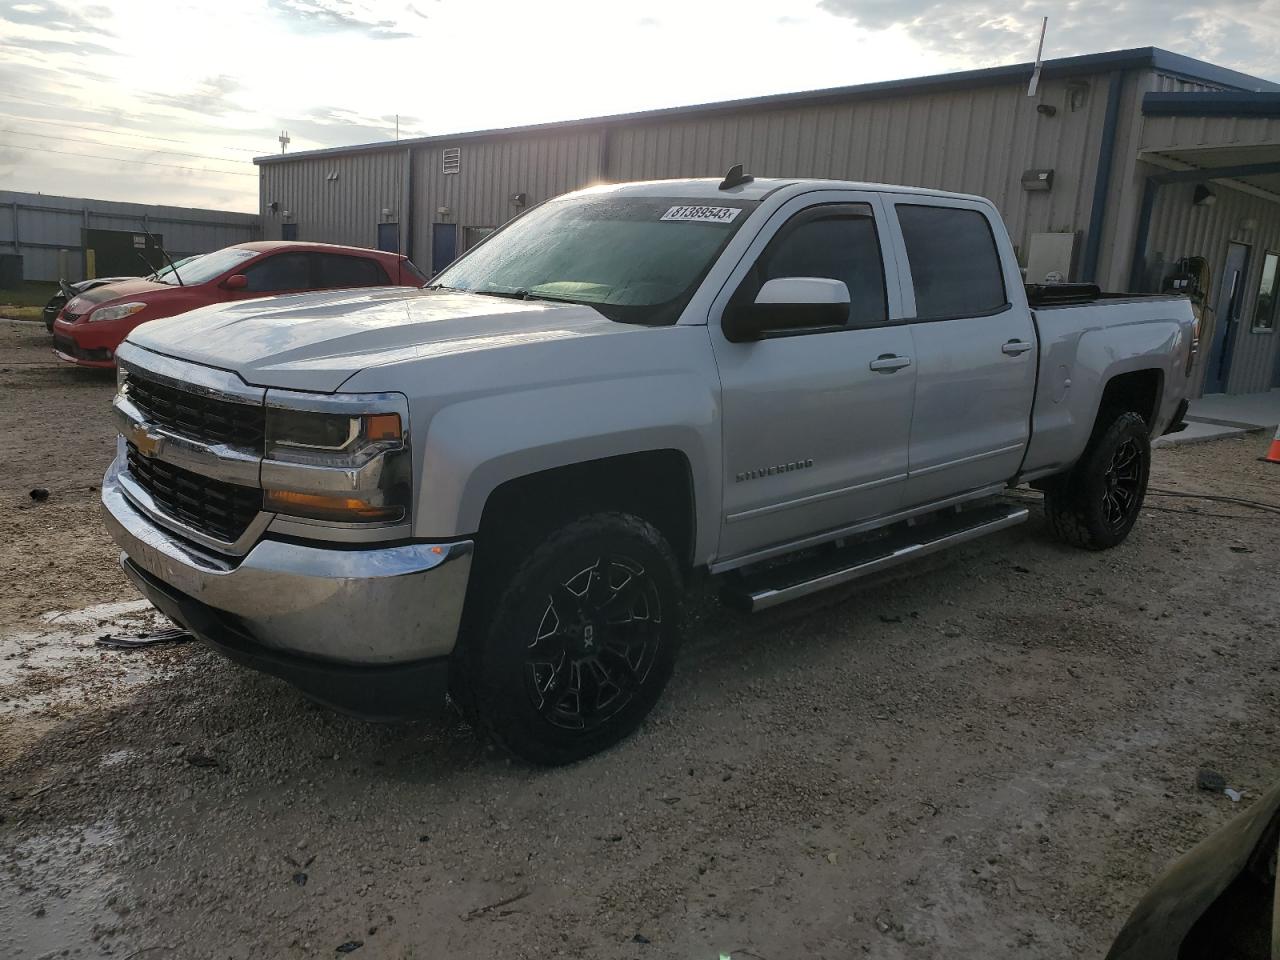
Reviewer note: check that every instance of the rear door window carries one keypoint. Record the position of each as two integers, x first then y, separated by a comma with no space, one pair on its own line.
335,271
280,273
955,266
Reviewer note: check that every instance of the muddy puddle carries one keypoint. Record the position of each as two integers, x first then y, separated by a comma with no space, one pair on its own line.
59,660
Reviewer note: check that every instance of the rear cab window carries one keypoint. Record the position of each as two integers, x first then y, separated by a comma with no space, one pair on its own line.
955,264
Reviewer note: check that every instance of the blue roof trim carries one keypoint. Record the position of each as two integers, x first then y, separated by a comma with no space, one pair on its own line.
1136,58
1232,104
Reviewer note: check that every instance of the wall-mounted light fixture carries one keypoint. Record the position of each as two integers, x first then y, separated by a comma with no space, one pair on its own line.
386,213
1077,94
274,206
443,211
1203,196
1037,180
519,199
1046,109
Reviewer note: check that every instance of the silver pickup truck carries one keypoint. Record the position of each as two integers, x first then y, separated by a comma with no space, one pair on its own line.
496,488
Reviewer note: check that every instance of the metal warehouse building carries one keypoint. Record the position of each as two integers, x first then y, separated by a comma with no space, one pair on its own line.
1118,169
103,238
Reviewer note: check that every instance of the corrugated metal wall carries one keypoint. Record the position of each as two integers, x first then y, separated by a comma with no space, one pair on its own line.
1181,229
490,171
973,141
334,199
47,224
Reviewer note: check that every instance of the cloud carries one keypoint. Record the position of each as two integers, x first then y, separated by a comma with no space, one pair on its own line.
210,98
337,127
76,48
56,16
340,16
1242,32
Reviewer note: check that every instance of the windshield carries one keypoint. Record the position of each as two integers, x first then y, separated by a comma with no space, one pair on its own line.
635,259
205,268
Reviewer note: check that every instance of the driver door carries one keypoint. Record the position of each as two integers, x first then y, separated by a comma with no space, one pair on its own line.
815,424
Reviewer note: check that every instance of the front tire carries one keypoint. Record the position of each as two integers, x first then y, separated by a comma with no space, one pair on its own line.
580,643
1096,505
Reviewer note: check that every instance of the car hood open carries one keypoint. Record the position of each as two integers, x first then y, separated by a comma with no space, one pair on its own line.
118,290
316,341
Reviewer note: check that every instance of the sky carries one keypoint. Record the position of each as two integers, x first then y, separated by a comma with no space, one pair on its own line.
169,102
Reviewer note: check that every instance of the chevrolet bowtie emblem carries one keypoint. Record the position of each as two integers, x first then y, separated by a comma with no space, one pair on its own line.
148,444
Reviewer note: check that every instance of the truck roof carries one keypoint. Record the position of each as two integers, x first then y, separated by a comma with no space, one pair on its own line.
708,188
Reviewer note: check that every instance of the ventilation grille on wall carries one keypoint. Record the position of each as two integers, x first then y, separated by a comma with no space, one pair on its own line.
451,160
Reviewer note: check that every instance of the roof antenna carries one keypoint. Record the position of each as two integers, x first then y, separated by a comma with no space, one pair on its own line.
735,178
1035,71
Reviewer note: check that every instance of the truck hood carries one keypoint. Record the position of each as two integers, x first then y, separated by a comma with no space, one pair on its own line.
317,341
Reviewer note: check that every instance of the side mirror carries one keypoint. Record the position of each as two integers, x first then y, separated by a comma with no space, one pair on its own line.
789,304
237,281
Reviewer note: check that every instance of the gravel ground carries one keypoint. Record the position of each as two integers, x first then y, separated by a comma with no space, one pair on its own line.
993,751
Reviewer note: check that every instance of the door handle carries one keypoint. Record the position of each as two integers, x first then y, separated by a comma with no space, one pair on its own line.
889,362
1016,348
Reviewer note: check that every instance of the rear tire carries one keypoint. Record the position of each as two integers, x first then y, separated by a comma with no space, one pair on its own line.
580,643
1096,505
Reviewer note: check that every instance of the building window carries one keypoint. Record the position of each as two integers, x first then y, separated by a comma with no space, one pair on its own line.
451,160
473,235
1264,311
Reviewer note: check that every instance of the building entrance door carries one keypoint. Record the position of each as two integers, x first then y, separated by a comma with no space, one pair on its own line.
1229,306
444,245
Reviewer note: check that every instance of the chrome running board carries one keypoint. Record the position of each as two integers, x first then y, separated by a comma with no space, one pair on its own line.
754,591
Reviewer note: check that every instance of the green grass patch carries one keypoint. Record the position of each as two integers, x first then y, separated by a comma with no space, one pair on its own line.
26,302
30,293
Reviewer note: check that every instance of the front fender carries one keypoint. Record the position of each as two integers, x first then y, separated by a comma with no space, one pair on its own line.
475,445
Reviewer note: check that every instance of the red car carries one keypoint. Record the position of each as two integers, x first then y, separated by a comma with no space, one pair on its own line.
91,327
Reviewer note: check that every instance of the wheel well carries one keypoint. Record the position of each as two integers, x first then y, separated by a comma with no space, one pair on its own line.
656,485
1138,391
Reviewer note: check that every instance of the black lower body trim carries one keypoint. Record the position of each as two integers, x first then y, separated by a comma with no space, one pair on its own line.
1179,421
402,691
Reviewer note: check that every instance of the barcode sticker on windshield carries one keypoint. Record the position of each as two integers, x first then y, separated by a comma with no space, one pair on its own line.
703,214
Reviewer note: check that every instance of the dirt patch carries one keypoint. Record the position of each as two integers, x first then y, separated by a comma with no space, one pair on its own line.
989,753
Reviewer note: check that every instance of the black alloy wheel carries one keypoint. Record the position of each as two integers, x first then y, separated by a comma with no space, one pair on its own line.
566,651
595,643
1122,485
1098,501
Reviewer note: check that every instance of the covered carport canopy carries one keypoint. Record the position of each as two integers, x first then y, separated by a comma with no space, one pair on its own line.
1202,137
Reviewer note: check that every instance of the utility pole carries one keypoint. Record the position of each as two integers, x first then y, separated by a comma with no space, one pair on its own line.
397,126
284,139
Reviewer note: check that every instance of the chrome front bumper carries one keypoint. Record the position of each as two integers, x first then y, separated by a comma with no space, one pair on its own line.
361,607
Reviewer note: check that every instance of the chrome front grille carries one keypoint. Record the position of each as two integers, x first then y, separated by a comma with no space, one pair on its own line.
202,417
215,508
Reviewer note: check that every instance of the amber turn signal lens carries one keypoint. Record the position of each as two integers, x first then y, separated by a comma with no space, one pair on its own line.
382,426
319,506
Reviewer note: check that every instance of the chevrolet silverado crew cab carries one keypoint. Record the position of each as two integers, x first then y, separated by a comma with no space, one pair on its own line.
494,488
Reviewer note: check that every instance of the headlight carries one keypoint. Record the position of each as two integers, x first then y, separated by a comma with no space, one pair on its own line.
342,458
118,312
